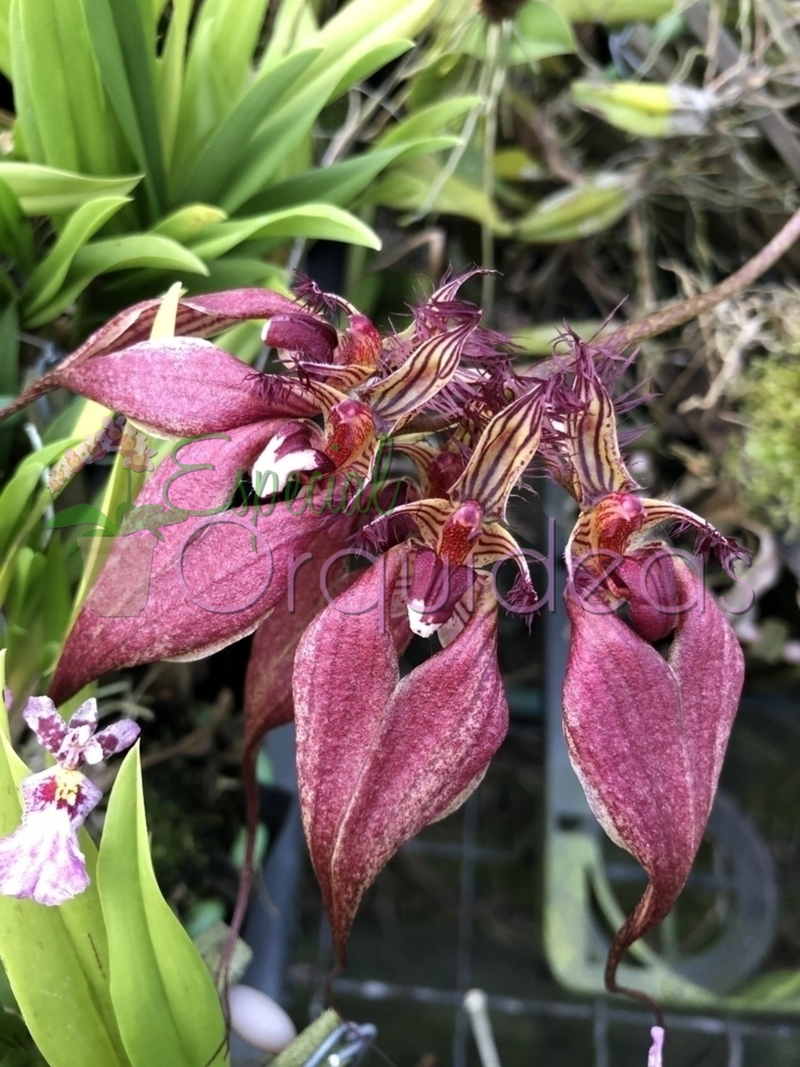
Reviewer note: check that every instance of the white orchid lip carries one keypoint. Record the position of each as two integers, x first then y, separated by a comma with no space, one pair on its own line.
271,472
420,626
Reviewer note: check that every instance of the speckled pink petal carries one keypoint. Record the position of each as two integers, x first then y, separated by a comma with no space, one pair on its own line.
208,580
115,738
85,715
181,387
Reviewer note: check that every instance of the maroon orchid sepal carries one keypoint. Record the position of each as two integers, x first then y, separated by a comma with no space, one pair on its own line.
380,757
646,735
197,316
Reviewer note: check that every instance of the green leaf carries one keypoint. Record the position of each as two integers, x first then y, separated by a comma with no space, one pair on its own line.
16,235
127,69
236,272
5,38
188,221
541,32
9,347
222,153
26,130
50,273
311,220
156,972
15,497
225,36
62,95
47,94
293,28
56,959
50,191
169,77
79,514
338,184
112,254
428,121
369,62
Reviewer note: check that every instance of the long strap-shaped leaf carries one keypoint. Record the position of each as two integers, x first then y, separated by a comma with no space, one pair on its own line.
128,72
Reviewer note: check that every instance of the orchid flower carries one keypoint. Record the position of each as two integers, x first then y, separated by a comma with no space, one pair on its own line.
235,566
646,734
42,859
380,757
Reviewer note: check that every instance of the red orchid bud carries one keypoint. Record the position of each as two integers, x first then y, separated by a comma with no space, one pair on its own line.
380,757
361,345
301,332
647,735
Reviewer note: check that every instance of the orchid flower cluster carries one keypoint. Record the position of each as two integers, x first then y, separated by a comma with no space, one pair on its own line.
42,860
401,450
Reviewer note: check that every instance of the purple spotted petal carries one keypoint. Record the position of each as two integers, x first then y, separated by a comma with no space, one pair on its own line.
115,738
50,729
85,715
42,860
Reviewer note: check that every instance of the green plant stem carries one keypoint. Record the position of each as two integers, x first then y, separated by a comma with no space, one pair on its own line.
306,1044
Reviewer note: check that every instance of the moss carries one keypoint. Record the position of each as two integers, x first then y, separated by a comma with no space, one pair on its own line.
768,465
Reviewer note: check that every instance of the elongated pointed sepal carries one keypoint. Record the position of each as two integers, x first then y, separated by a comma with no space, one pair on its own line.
646,736
380,757
196,316
181,387
594,464
179,585
427,371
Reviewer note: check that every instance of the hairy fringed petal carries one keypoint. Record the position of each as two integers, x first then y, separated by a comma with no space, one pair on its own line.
180,584
380,757
647,735
197,316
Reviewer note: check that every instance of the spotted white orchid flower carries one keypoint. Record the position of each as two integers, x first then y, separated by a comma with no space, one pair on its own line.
42,859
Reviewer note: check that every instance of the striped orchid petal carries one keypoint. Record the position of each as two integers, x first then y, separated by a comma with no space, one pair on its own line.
429,369
429,516
708,540
503,452
594,461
